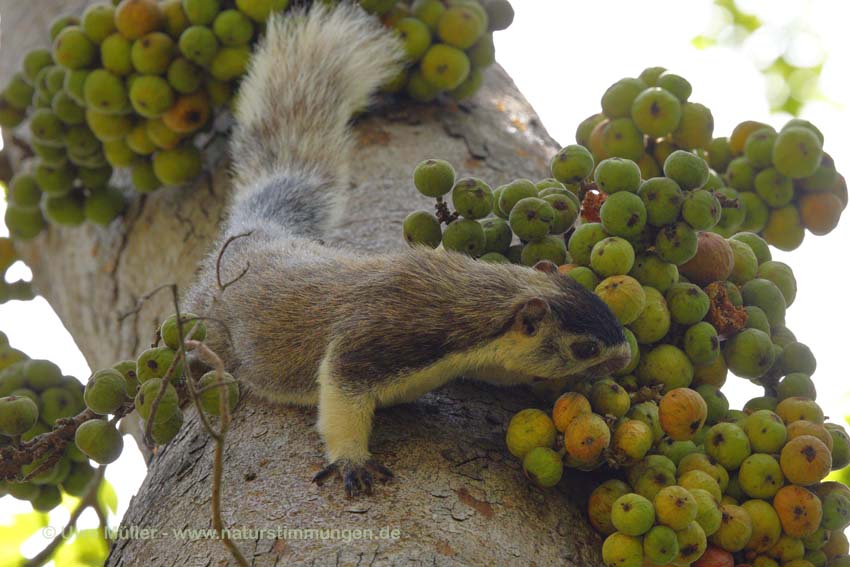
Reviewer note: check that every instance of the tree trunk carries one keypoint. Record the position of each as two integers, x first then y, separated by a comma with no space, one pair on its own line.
458,497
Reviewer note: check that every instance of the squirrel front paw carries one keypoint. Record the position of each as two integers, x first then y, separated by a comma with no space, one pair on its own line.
356,478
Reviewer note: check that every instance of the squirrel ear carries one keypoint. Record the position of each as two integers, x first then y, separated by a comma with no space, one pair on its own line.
546,266
530,315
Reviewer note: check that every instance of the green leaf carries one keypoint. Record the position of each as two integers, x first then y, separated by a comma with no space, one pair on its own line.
70,502
703,41
9,555
748,21
842,476
781,67
107,497
22,528
88,548
792,106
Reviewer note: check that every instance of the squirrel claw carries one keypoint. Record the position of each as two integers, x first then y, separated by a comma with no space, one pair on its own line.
383,472
322,475
356,478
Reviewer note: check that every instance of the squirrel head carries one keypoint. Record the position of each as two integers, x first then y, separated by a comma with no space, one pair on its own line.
564,331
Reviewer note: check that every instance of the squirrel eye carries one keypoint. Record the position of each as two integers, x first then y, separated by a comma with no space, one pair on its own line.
584,349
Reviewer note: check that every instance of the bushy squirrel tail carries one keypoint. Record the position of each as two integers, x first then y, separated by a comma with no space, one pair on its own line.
291,146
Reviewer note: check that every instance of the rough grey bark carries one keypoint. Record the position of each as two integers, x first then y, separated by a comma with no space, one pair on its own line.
458,499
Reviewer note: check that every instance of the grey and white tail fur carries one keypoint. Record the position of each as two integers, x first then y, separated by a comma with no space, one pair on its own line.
292,144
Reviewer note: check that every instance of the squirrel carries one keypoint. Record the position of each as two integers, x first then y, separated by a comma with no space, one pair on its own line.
314,325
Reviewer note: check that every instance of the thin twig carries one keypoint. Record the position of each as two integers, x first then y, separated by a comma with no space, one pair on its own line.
15,456
102,522
88,499
146,297
187,368
52,459
218,454
217,436
194,396
222,286
215,361
166,380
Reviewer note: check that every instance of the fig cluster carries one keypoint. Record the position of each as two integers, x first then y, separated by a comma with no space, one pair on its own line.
136,85
775,183
36,400
34,395
786,184
521,222
448,45
695,481
664,240
665,235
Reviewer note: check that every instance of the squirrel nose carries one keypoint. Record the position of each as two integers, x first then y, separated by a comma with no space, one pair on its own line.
622,356
618,359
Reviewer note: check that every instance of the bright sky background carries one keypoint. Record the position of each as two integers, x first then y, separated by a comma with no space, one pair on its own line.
563,55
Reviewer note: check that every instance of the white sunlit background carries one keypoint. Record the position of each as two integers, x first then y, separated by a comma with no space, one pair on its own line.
563,55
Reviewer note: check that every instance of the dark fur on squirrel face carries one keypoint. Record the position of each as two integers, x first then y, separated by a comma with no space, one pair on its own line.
578,333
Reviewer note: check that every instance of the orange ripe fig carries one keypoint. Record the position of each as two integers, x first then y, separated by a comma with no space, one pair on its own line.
740,134
799,510
715,557
135,18
632,440
797,408
802,427
682,413
601,502
189,113
713,261
805,460
820,212
568,407
587,436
